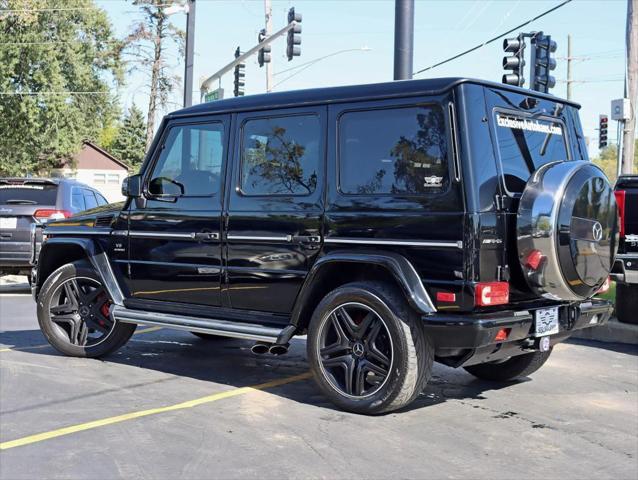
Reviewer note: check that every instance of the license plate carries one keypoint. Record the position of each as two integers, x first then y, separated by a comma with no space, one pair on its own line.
8,222
546,321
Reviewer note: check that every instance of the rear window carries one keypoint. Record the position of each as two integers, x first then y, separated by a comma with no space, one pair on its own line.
525,144
28,194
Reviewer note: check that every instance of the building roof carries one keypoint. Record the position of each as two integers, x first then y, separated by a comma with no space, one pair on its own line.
92,157
431,86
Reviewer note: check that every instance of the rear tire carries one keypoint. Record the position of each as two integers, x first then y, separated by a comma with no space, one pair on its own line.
627,303
516,367
73,313
367,348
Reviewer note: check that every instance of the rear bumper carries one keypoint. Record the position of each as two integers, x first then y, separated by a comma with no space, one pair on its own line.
625,269
15,254
469,339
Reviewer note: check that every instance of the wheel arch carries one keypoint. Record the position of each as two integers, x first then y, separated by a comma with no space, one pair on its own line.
59,251
336,269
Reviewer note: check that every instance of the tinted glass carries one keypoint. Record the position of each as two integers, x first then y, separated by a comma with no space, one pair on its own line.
525,144
77,200
100,199
280,156
393,151
28,194
89,199
191,162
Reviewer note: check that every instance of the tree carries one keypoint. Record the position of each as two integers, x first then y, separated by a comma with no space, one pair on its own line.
56,67
608,161
146,49
129,144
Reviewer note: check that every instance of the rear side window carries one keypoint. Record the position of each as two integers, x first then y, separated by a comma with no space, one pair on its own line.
89,199
525,144
280,155
400,151
34,194
77,200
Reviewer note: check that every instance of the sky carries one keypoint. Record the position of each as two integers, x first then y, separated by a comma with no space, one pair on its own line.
442,29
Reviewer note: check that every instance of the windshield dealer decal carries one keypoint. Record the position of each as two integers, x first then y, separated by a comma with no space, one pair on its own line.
517,123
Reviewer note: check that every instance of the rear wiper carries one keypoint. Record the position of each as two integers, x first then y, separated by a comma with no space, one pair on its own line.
17,201
558,109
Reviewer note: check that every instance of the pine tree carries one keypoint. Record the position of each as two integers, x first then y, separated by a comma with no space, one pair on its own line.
130,142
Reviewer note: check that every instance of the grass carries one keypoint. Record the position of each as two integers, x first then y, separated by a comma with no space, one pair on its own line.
610,294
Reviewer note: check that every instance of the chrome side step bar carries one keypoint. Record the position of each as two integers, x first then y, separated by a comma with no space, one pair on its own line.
223,328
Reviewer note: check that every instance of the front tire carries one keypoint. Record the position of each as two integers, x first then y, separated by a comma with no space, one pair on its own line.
367,348
73,313
627,303
511,369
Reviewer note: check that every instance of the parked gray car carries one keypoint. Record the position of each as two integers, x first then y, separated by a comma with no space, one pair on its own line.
28,201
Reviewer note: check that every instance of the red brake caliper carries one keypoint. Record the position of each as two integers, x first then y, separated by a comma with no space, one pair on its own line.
104,309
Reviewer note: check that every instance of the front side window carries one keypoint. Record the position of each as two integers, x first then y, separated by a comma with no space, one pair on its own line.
191,161
525,144
280,155
400,151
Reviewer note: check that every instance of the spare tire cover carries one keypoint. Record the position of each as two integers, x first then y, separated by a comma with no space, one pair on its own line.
567,230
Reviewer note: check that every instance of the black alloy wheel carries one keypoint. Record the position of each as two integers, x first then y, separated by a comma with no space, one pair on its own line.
355,348
73,313
367,348
79,308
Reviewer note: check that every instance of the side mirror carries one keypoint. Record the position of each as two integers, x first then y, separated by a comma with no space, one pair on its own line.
132,186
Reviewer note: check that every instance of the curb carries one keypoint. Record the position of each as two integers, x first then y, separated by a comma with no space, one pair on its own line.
612,332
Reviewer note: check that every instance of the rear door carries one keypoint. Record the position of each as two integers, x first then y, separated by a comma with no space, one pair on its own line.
174,229
275,206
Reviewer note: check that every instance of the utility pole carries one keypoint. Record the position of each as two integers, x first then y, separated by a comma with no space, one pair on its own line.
190,53
403,39
268,13
569,67
631,86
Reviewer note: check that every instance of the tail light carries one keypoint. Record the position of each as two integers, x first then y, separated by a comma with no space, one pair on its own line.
487,294
51,214
620,201
534,259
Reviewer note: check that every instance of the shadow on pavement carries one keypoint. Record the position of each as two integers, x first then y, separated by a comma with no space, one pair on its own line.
230,362
615,347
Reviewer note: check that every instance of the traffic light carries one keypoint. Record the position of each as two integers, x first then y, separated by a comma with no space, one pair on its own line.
240,75
514,62
294,35
603,121
543,63
264,53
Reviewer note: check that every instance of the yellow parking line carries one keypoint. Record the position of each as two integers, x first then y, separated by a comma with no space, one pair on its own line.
144,413
33,347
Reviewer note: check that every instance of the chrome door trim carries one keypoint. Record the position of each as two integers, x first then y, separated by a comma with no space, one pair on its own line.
168,236
407,243
280,238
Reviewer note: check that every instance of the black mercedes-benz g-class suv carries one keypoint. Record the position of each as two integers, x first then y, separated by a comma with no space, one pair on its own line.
395,224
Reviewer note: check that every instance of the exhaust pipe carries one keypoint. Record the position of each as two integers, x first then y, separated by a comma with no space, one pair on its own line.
278,349
260,348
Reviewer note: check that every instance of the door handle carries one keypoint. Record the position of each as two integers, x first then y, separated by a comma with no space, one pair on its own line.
306,238
205,236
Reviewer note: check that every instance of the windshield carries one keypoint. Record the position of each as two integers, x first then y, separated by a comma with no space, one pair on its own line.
525,144
35,194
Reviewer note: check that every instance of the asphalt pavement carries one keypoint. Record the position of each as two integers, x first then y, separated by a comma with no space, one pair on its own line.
170,405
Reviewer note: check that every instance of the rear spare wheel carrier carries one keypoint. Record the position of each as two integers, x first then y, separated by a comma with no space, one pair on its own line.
567,230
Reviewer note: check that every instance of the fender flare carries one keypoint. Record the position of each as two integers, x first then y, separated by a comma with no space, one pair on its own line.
400,268
96,255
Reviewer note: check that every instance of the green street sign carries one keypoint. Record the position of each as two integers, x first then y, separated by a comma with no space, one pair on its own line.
214,95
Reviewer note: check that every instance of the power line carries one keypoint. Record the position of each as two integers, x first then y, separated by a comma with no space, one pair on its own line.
492,40
61,9
55,93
